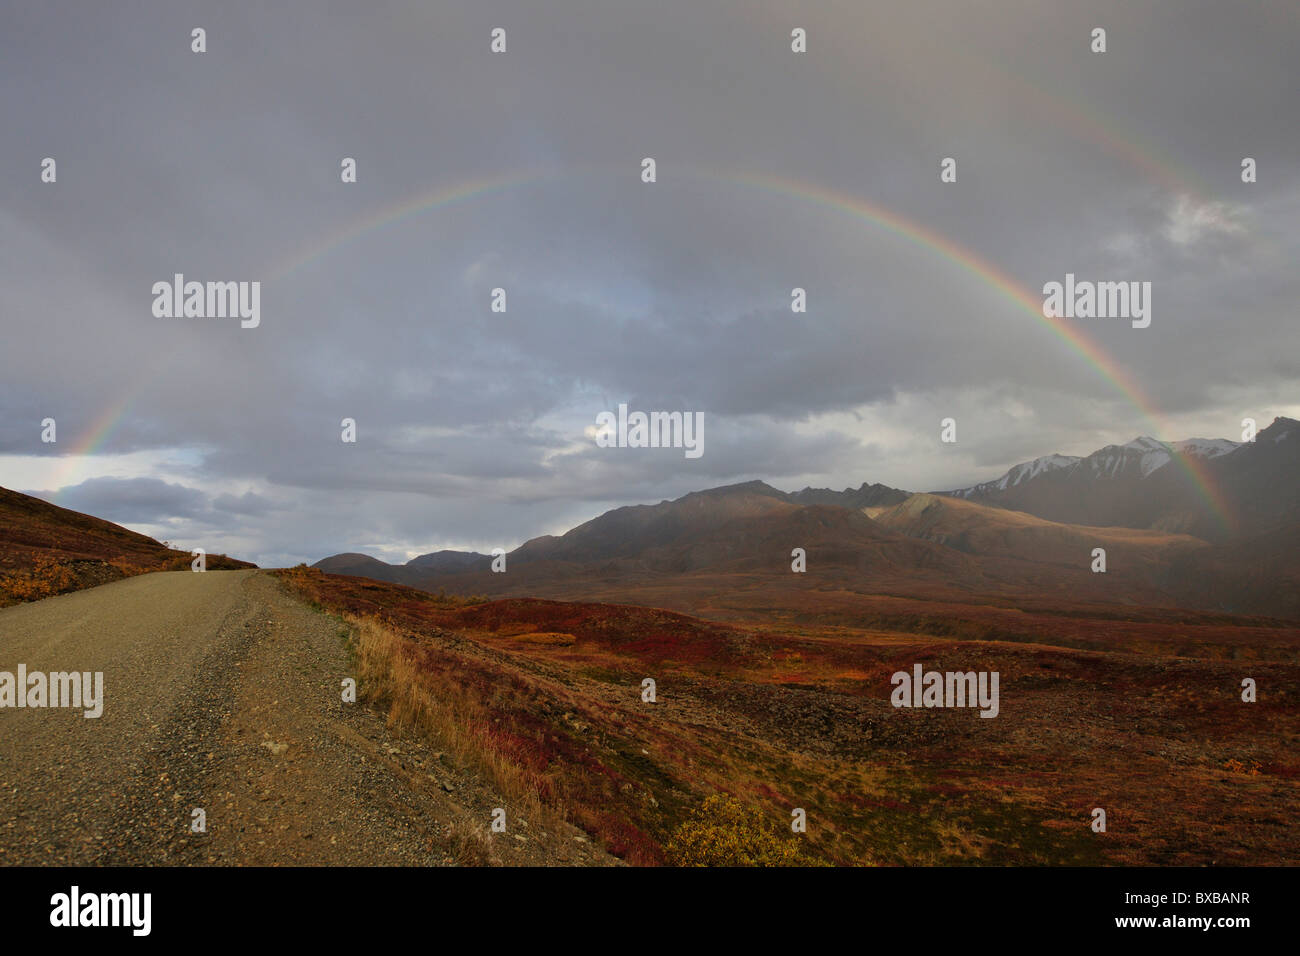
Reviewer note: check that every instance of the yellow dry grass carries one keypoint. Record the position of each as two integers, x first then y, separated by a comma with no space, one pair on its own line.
433,703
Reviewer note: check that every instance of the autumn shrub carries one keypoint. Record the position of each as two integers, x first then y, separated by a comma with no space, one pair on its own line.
45,578
722,831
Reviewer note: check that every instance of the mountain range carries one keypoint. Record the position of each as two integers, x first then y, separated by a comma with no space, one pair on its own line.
1203,523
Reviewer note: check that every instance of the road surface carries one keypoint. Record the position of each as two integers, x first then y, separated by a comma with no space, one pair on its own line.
222,693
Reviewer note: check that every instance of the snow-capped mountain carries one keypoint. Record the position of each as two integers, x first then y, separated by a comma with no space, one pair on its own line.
1206,447
1222,488
1020,473
1148,454
1142,456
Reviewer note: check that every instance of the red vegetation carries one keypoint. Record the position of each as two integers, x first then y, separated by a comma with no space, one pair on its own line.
781,708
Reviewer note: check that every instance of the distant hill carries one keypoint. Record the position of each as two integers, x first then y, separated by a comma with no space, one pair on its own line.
867,496
438,562
361,566
983,529
45,550
697,530
450,561
997,532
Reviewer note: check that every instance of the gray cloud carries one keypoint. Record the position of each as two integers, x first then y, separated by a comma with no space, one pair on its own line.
674,295
249,503
131,500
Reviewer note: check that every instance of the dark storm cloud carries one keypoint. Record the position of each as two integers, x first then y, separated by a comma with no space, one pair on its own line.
131,500
225,165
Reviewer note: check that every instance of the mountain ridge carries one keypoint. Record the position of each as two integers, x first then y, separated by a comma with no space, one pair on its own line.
1163,541
1142,484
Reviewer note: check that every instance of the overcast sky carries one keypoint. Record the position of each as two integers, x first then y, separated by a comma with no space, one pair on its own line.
473,426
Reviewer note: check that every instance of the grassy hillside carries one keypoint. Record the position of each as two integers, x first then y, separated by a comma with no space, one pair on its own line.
47,550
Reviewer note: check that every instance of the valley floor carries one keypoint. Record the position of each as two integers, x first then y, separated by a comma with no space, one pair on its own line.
792,713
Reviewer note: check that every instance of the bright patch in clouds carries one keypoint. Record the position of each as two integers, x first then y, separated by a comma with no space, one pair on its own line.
1190,220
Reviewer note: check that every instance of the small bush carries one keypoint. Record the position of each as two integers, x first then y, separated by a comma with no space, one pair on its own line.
724,832
45,578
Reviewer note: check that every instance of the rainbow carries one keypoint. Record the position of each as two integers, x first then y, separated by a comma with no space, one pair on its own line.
839,202
437,198
1069,333
92,440
931,241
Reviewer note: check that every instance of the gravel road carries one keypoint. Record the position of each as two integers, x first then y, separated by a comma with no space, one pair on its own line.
223,693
